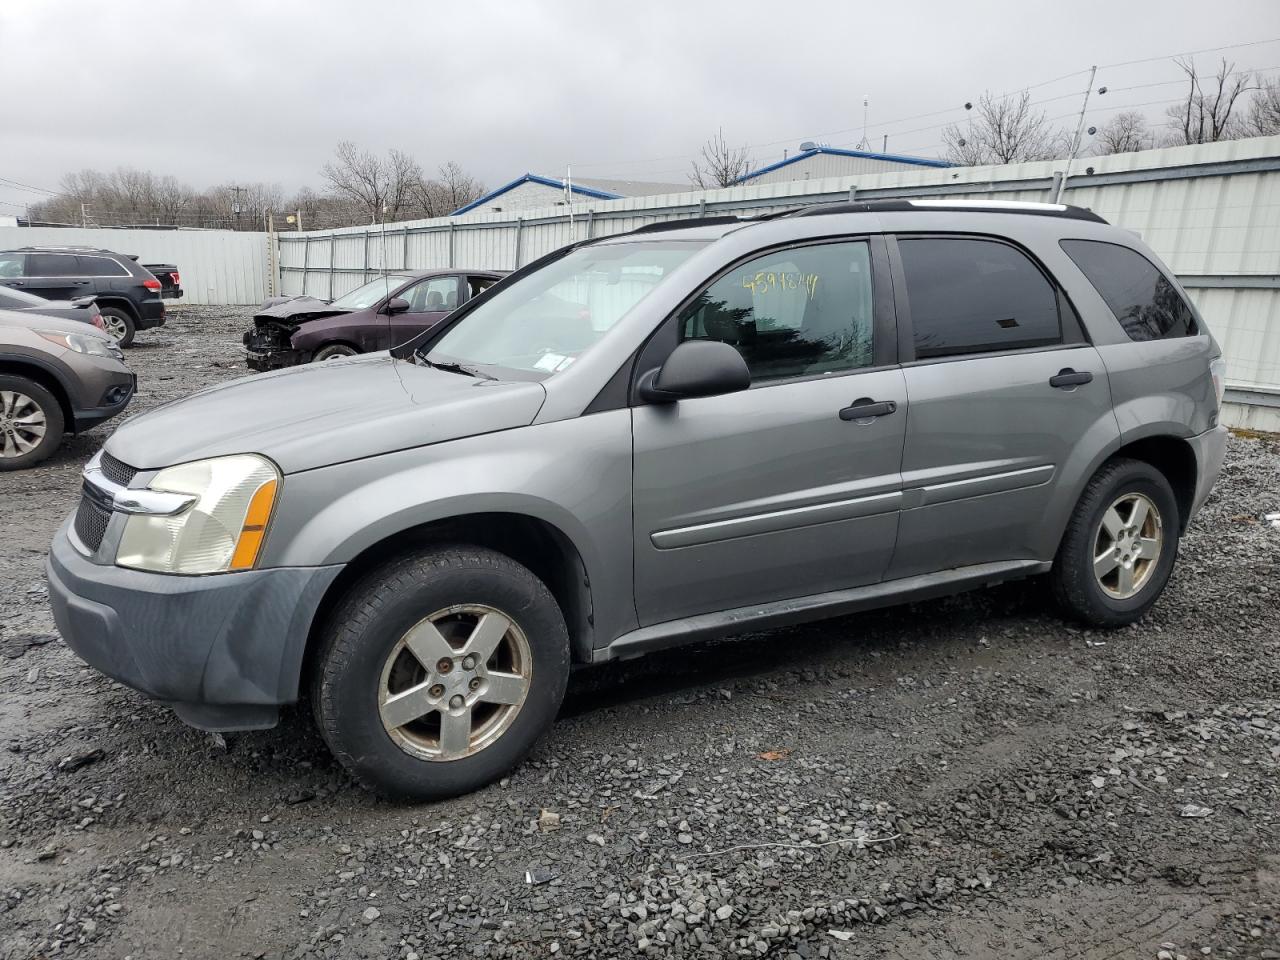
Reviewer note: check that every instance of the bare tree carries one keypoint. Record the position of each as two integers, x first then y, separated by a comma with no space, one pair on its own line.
380,186
721,165
1004,130
1263,118
1124,133
450,190
1205,116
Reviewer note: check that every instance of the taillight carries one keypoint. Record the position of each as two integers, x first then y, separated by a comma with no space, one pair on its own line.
151,283
1218,370
177,280
97,321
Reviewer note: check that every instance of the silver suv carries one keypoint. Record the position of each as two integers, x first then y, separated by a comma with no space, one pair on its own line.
695,429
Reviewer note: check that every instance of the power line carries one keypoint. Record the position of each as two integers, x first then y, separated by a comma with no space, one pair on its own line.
1189,53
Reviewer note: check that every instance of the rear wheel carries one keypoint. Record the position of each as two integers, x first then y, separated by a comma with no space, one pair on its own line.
31,423
440,671
119,325
1118,551
333,351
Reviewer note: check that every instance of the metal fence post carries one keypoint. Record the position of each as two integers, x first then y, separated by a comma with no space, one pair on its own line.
333,243
1057,185
519,229
853,193
451,226
306,260
365,265
591,215
404,251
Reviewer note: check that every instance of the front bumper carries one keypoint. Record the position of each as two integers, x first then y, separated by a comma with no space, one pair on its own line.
224,650
126,386
274,359
1210,447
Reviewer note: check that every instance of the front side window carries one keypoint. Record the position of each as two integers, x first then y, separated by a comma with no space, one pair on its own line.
366,295
479,285
797,312
1147,305
52,265
437,294
548,319
12,265
976,296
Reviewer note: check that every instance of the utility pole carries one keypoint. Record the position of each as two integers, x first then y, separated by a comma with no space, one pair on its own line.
84,214
235,204
1075,141
299,219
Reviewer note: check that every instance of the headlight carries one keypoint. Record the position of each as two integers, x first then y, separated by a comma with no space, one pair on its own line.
94,346
222,530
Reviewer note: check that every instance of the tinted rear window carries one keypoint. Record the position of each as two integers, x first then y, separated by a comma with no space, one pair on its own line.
52,265
101,267
976,296
1147,305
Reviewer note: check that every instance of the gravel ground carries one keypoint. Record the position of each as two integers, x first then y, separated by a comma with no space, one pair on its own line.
971,777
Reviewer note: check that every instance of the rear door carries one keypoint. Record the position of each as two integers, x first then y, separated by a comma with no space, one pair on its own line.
782,490
430,301
1002,389
55,276
13,270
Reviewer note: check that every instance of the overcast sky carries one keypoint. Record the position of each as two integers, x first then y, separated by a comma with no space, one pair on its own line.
260,90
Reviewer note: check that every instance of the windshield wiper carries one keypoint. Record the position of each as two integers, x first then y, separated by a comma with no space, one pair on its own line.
454,367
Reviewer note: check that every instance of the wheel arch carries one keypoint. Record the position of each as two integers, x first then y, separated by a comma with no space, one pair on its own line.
115,300
541,546
48,378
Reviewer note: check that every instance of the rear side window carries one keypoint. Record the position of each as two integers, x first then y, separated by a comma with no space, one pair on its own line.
52,265
797,312
1142,298
101,267
976,296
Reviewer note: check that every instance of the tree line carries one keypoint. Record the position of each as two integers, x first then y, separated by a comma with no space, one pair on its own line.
360,187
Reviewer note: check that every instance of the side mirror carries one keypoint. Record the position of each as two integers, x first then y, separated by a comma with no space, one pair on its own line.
397,305
696,368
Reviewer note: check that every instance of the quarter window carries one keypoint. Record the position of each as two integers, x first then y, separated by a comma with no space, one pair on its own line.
1147,305
976,296
100,267
797,312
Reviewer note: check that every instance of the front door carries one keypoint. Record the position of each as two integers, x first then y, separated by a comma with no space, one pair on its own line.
430,301
1002,391
55,276
787,489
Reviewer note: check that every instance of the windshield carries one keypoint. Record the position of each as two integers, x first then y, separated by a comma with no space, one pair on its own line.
369,294
545,321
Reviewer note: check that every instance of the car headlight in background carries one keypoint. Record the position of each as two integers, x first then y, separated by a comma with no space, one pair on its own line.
94,346
222,529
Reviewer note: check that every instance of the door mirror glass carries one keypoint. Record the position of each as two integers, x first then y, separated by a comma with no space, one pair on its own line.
696,368
397,305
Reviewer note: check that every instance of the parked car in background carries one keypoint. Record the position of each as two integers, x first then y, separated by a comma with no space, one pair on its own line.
386,311
82,309
696,429
128,295
56,377
170,279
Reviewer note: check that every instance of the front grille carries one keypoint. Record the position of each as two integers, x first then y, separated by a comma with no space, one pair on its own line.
91,523
115,471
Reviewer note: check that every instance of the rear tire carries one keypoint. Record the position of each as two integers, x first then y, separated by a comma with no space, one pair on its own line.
333,351
1118,552
439,671
31,423
120,325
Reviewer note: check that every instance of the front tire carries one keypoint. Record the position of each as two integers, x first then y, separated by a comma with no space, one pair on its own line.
439,672
31,423
333,351
1118,552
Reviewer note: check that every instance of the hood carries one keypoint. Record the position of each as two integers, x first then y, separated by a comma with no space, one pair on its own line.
318,414
296,310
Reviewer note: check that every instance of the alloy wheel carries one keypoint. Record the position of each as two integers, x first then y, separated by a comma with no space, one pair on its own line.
22,424
455,682
115,326
1127,546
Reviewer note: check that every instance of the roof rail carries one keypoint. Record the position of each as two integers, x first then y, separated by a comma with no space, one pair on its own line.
1063,210
688,223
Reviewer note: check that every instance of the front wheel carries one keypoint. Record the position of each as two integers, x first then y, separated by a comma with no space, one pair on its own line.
31,423
1118,551
333,351
440,671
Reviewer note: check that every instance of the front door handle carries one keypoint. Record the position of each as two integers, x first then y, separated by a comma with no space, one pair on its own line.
864,408
1066,377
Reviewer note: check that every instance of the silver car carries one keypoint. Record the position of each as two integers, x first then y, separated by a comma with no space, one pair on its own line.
692,430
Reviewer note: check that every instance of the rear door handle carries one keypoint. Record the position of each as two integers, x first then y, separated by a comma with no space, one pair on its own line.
864,408
1066,377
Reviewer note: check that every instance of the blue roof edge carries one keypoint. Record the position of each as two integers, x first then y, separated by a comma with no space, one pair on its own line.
534,178
838,152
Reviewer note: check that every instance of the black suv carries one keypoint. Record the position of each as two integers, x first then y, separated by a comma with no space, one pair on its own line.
127,293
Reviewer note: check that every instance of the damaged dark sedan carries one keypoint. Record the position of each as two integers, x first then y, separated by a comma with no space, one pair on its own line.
377,315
